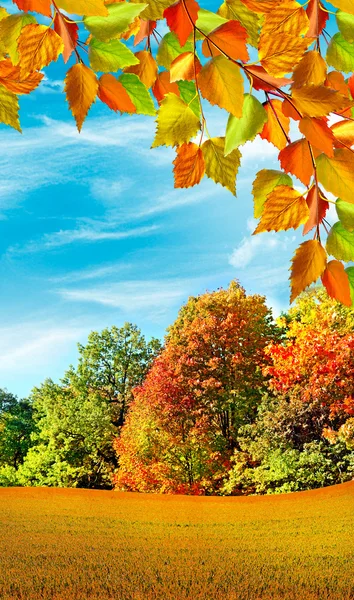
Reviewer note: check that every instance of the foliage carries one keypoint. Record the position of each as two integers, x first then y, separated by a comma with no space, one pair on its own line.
183,423
16,426
204,59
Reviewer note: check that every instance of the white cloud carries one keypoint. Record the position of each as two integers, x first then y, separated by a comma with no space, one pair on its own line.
251,246
96,273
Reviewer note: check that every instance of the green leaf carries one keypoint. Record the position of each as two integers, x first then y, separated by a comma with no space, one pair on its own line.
251,21
337,174
176,122
345,212
350,272
110,56
10,29
9,108
120,16
138,93
243,129
222,169
207,21
170,48
188,93
340,243
265,182
154,9
345,24
340,54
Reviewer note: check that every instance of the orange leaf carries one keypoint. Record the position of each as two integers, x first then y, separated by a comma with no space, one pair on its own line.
284,209
163,86
81,88
186,66
318,134
336,81
180,18
39,6
351,85
189,165
112,93
318,100
263,81
146,29
37,47
279,54
308,264
229,38
318,18
261,6
10,77
336,282
289,17
146,70
343,132
311,70
318,206
277,124
296,159
69,33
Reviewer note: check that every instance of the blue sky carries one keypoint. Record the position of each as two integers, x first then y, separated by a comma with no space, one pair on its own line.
92,233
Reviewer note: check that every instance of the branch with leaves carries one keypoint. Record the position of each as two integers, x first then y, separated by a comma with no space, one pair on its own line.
305,75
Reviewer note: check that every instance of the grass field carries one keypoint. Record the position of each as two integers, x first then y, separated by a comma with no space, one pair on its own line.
78,544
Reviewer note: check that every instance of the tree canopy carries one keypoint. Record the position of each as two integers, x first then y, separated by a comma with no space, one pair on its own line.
270,64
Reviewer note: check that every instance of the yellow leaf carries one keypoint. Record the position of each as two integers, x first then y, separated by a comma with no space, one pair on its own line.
10,29
220,82
146,70
186,66
154,9
81,88
345,5
176,122
308,264
222,169
311,70
38,46
337,174
336,282
344,132
9,108
189,165
287,17
277,127
279,54
284,209
89,8
318,100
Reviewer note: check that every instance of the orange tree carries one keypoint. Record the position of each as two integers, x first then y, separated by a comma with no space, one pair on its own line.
298,74
183,423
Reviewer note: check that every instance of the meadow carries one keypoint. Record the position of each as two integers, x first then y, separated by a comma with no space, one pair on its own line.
66,544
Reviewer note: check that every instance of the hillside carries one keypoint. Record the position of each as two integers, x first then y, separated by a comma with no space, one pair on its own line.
80,544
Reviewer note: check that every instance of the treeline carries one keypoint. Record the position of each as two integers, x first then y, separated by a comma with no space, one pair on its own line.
232,403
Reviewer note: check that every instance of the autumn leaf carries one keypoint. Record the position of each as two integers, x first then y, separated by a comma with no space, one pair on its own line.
83,7
318,206
279,54
317,17
286,17
110,56
186,66
188,92
345,24
311,70
10,30
265,182
222,169
146,69
69,33
145,30
318,100
176,122
336,282
346,5
340,54
261,80
318,134
169,49
345,212
277,127
243,129
284,209
344,132
337,82
235,9
340,243
9,108
112,93
38,46
10,77
261,6
230,38
308,264
350,272
138,93
337,174
41,6
180,18
220,82
119,18
189,165
81,87
163,86
296,159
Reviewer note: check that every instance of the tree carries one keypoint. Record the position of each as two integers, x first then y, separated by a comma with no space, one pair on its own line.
286,38
78,419
184,420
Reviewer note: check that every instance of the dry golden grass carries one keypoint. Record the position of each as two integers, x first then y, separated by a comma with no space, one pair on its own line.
61,544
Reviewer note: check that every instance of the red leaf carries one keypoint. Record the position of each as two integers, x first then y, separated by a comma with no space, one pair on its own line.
263,81
41,6
69,33
180,18
318,206
318,18
146,29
